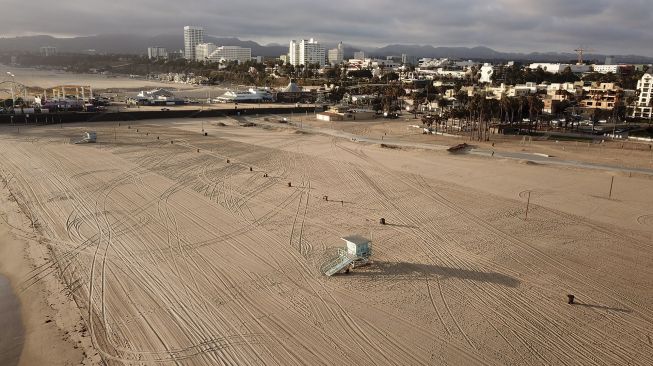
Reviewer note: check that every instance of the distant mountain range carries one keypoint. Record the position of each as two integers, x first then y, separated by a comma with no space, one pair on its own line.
137,44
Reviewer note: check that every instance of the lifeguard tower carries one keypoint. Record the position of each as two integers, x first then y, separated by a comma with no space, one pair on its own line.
89,137
356,253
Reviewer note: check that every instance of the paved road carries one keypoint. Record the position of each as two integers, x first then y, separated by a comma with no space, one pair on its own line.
538,158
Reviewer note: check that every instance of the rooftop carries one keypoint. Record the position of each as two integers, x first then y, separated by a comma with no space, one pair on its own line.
356,239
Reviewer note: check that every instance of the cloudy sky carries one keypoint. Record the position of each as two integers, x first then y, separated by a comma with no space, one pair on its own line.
608,26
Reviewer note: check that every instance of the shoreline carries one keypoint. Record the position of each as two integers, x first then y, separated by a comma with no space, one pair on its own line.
52,325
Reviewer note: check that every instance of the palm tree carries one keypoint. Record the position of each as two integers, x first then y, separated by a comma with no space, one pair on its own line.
483,108
473,105
417,101
521,103
535,106
504,104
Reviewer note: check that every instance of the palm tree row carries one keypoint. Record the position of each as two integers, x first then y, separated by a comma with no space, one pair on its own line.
478,112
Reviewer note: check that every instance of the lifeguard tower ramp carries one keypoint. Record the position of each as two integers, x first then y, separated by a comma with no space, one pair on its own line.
89,137
339,264
356,253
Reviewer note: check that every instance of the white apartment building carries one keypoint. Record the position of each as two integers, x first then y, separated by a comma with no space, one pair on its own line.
157,52
426,63
192,37
48,51
571,88
383,63
337,55
452,74
230,53
360,55
204,50
306,52
285,59
606,69
293,53
643,107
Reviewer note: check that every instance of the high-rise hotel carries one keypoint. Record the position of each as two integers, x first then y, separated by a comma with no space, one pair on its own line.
192,37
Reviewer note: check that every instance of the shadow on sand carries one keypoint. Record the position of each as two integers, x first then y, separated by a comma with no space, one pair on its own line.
602,307
404,226
415,270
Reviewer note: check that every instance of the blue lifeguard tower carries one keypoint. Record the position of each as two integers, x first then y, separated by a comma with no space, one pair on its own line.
356,253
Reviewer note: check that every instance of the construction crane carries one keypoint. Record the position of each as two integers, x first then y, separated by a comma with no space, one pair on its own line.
581,51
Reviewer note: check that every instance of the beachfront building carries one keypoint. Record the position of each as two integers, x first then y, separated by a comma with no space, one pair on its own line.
643,107
204,50
253,95
155,97
559,68
156,53
192,37
452,74
337,55
229,54
607,69
603,96
306,52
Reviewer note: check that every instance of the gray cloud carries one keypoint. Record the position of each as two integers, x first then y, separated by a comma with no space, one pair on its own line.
507,25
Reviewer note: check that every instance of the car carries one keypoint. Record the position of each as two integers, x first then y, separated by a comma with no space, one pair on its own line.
165,109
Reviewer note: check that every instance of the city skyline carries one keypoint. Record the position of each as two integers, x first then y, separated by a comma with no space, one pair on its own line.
507,25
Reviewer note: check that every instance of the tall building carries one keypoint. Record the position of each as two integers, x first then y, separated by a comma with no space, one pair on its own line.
360,55
408,59
192,37
337,55
293,53
231,53
48,51
306,52
643,107
156,52
204,50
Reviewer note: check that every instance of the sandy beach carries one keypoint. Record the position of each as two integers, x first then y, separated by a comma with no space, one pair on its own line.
120,84
159,245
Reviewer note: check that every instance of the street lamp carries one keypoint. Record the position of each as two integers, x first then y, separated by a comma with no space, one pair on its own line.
13,96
